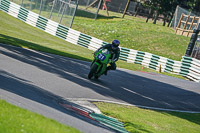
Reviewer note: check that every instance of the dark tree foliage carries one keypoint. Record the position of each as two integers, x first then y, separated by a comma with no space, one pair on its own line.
194,5
167,7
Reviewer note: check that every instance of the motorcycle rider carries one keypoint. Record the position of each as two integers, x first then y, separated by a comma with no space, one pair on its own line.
115,52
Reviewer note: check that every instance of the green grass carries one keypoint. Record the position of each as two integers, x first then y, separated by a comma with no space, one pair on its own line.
137,120
134,33
17,120
16,32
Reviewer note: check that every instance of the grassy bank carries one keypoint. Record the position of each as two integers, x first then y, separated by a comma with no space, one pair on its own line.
14,120
137,120
16,32
134,33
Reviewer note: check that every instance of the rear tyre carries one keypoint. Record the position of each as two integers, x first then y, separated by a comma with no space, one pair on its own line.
92,71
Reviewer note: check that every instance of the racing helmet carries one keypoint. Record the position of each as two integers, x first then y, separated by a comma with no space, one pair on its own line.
115,44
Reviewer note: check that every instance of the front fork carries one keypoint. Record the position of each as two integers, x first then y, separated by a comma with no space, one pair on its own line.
99,66
92,63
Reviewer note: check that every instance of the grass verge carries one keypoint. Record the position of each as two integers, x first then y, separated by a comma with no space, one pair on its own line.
137,120
16,32
134,33
14,120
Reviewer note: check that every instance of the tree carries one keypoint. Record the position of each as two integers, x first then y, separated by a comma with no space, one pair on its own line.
168,7
154,6
194,5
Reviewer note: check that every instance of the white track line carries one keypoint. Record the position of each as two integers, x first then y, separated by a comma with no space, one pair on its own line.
127,104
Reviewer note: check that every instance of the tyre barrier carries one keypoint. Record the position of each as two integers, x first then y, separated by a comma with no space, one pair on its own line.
187,67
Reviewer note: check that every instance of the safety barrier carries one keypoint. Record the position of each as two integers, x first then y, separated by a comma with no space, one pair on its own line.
191,68
188,67
49,26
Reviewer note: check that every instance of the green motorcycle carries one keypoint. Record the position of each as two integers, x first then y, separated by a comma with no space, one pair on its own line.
99,64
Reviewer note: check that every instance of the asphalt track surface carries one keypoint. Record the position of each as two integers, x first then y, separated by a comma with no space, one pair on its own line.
40,81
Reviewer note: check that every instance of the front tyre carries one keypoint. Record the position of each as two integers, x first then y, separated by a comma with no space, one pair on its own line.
96,77
92,71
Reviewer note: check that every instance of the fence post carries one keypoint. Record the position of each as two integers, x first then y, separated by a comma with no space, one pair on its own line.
31,5
98,9
22,3
175,16
40,7
52,9
63,12
126,8
74,13
88,2
60,8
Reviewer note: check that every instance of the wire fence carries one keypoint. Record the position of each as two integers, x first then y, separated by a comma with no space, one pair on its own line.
94,7
177,16
61,11
134,8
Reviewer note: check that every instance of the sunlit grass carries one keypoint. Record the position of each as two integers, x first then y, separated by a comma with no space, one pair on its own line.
135,33
17,120
137,120
16,32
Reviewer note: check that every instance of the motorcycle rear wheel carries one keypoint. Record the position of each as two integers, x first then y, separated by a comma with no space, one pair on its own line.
92,71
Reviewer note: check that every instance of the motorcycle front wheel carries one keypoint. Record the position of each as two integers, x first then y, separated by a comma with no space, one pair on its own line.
92,71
